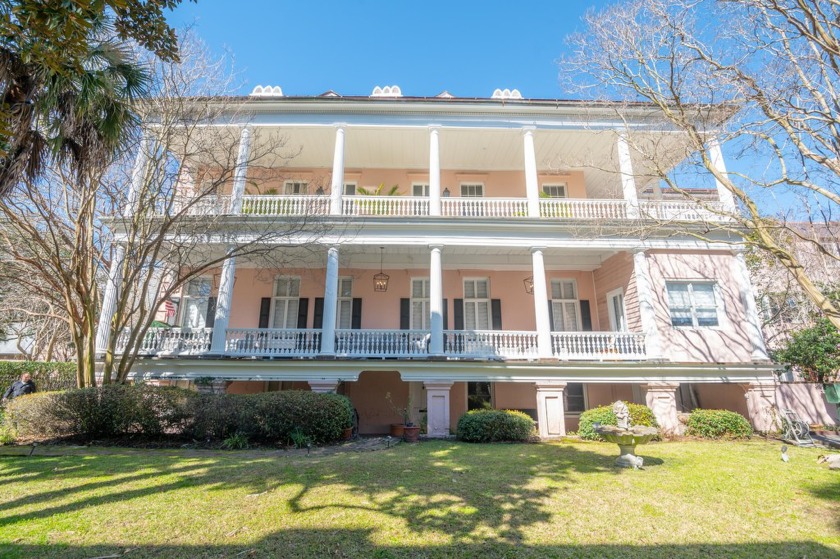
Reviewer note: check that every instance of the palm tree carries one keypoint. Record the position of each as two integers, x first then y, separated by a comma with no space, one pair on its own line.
78,114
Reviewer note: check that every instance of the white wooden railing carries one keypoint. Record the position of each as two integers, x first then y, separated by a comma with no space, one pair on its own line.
171,341
285,205
382,343
277,342
600,346
503,344
565,208
385,205
484,207
661,210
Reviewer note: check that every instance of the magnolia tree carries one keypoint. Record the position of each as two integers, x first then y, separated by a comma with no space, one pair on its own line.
152,220
758,76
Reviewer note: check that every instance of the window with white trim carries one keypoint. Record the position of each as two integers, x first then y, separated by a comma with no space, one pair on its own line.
616,311
285,302
195,303
419,309
555,190
293,188
477,304
575,396
419,189
349,188
565,307
472,190
344,310
692,303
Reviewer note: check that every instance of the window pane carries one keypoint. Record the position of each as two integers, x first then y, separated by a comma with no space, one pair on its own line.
569,290
419,315
556,290
344,314
481,289
469,315
482,309
195,314
678,295
575,401
704,295
345,287
680,317
706,317
469,290
570,316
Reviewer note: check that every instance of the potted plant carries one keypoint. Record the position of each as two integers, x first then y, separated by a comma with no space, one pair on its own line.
407,429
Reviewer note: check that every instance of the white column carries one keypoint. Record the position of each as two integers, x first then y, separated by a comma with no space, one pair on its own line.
532,186
724,194
742,276
661,398
628,181
434,171
330,302
112,286
224,298
647,312
541,304
337,186
551,414
437,408
436,302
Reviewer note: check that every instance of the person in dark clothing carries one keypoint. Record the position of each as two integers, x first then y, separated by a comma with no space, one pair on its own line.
20,387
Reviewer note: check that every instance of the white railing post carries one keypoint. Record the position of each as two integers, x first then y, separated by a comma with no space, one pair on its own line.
742,276
628,181
647,312
436,302
532,186
541,303
330,303
337,184
724,194
112,287
434,171
224,298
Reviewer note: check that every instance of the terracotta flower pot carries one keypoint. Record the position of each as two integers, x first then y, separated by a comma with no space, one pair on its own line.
397,430
411,433
347,434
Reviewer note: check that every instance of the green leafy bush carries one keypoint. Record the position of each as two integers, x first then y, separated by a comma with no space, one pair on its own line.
487,426
814,351
47,375
639,415
718,424
237,441
149,411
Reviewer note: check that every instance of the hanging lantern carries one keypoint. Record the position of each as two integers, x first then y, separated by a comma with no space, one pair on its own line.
380,280
529,284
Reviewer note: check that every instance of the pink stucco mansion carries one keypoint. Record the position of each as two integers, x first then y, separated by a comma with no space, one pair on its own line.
521,259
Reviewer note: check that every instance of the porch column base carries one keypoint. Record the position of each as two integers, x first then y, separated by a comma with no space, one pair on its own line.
437,408
212,387
323,386
661,398
551,413
761,399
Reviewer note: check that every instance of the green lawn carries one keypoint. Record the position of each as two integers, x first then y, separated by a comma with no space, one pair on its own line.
435,499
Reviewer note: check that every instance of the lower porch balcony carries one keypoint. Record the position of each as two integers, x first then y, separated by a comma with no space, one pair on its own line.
504,345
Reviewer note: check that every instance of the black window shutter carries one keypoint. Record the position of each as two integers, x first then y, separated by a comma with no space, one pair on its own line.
303,312
318,318
265,311
356,318
445,314
405,314
458,317
496,312
210,319
585,316
550,316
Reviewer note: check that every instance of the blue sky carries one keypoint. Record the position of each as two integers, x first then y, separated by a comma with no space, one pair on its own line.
466,47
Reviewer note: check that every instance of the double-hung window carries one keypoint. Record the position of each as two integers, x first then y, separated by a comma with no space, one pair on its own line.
195,303
472,190
575,397
565,307
349,188
419,189
292,188
477,304
285,302
419,309
692,303
555,190
344,311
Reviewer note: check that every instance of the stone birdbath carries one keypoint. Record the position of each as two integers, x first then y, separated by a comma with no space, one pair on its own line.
626,436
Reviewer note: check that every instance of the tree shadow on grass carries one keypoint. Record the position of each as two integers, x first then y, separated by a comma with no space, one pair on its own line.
349,544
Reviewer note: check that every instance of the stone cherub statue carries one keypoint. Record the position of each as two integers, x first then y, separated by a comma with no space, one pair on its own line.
622,415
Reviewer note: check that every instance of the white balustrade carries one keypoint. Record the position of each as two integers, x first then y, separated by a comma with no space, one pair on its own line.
501,344
382,343
598,346
567,208
661,210
484,207
285,205
385,205
191,205
172,341
270,342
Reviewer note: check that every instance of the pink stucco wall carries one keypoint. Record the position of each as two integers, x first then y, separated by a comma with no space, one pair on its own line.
808,401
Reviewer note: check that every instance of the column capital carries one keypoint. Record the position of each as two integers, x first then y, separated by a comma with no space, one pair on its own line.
340,125
438,384
528,130
434,127
550,386
642,251
537,249
439,247
660,386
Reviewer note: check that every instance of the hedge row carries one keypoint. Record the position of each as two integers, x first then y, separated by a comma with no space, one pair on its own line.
47,375
151,412
718,424
639,415
488,426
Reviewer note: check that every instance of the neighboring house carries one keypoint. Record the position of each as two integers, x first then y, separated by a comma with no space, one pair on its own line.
528,267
